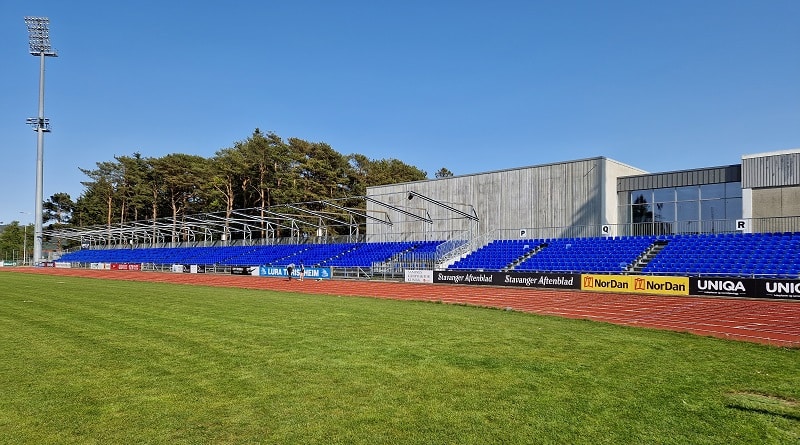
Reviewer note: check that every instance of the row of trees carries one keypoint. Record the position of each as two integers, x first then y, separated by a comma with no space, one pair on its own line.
261,171
16,243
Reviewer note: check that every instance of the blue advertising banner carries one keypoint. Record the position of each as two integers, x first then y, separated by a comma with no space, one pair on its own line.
312,273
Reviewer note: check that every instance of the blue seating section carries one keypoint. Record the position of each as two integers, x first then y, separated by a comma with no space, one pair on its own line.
422,250
363,255
340,255
774,255
179,255
496,255
757,254
591,255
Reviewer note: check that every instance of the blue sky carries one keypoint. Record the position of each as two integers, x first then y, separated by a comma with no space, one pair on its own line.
472,86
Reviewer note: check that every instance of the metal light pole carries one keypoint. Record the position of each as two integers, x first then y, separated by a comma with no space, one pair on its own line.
25,245
39,39
25,242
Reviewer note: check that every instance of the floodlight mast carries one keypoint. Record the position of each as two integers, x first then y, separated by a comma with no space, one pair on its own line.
39,39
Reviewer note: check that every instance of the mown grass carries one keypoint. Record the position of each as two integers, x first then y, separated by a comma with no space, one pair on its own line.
99,362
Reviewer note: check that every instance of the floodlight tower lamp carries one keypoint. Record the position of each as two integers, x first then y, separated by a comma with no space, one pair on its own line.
39,43
39,36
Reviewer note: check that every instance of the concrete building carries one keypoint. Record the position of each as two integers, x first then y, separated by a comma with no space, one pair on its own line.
593,197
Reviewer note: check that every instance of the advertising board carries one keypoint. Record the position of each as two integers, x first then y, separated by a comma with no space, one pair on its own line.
418,276
728,287
520,279
639,284
126,266
312,273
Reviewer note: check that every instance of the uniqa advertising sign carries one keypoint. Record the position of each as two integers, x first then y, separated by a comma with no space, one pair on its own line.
746,287
780,289
728,287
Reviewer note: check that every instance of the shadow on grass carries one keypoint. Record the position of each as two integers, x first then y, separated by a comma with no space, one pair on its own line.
764,404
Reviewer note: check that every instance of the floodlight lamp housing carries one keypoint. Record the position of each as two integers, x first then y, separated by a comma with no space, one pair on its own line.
39,36
37,123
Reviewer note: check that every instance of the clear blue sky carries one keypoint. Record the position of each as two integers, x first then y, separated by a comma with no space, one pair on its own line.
472,86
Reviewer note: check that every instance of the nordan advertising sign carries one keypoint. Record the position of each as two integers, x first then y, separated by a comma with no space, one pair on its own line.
661,285
639,284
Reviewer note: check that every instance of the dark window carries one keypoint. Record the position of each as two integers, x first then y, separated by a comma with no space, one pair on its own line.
733,209
664,211
712,191
640,209
688,193
688,211
664,195
733,190
712,209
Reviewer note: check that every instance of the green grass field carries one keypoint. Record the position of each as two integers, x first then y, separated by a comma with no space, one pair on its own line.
89,361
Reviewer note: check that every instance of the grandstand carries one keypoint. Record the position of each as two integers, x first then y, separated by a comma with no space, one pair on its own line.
774,255
587,216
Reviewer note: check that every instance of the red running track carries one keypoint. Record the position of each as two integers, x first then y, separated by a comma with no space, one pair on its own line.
774,322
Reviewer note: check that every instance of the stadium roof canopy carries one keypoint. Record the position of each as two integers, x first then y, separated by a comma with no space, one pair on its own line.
320,218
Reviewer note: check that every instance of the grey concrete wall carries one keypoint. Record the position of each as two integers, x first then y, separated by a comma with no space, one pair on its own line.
562,199
773,183
776,202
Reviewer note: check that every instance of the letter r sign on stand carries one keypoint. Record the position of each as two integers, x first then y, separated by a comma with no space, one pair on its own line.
742,226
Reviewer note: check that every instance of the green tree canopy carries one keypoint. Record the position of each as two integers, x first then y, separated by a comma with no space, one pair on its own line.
444,173
260,171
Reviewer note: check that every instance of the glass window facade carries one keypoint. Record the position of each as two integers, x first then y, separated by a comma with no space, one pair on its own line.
688,193
707,208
